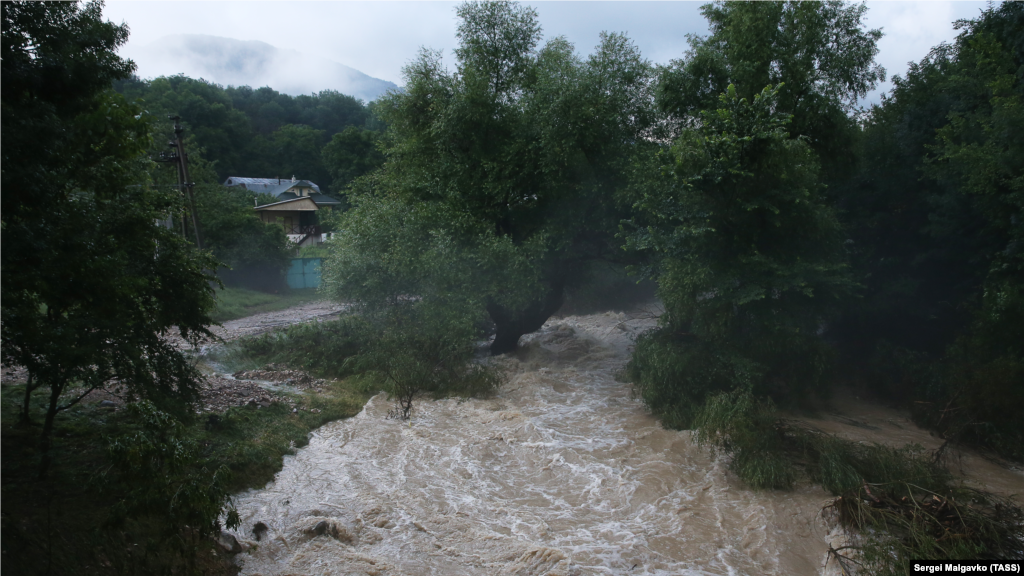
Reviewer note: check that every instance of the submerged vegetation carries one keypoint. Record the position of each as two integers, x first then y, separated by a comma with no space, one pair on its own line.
378,355
900,503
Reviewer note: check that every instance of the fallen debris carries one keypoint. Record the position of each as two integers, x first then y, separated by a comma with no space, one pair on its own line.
282,375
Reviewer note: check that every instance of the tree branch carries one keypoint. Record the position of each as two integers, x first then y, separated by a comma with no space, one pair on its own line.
79,399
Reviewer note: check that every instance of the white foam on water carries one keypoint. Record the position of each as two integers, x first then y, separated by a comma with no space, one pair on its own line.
562,473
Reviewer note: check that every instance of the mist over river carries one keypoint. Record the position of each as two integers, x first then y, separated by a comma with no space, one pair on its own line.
562,472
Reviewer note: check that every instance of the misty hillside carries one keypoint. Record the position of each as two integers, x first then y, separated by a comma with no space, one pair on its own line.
227,61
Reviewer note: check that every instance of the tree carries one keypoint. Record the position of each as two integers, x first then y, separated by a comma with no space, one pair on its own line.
91,283
936,215
749,259
350,154
930,211
519,147
245,131
292,150
818,51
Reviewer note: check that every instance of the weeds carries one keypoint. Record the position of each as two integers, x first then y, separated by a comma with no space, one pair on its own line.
900,503
235,303
404,362
324,349
134,493
900,521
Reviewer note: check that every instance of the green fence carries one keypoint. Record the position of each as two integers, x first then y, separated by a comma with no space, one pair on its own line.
304,273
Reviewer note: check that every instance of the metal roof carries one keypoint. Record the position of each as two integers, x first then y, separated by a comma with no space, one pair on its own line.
286,202
323,200
264,184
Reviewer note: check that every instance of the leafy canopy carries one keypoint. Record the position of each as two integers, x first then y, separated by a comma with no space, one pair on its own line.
748,257
91,283
819,52
520,146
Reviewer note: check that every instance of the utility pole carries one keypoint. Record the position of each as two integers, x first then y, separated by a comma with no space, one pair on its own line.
180,159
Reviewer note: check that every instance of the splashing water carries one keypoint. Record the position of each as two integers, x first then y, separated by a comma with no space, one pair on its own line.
562,473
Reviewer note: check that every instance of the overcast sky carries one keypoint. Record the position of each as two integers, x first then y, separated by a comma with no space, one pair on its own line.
378,38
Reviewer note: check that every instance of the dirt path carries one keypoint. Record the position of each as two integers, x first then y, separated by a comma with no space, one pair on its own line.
266,321
256,324
859,420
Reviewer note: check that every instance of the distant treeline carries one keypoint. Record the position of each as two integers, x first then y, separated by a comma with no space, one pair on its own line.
325,137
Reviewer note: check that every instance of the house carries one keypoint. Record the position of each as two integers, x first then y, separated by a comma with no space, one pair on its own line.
283,189
295,210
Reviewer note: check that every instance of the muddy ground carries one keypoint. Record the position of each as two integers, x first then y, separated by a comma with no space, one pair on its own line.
220,392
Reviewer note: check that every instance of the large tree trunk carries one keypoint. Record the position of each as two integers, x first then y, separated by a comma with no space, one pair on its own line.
44,440
511,324
25,418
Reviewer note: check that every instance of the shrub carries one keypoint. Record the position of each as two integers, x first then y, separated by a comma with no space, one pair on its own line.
674,373
325,349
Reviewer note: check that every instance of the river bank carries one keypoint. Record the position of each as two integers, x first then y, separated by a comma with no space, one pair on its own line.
562,472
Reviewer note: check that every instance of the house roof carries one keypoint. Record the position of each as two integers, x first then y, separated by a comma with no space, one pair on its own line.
323,200
302,203
281,190
264,184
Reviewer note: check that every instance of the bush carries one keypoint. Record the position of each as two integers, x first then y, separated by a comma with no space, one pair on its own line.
673,374
325,349
410,351
425,347
900,502
737,422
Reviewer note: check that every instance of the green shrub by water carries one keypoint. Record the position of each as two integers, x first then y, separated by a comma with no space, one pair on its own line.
404,362
900,502
324,349
673,374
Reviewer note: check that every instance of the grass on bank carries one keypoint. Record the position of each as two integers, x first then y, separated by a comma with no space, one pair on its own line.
90,516
899,503
233,303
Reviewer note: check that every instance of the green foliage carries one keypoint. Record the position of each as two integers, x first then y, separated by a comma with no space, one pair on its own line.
235,303
421,293
350,154
325,349
249,132
254,253
817,53
517,152
407,353
900,502
673,373
416,354
166,476
98,512
900,522
291,150
91,282
982,383
252,443
765,449
748,258
747,428
934,215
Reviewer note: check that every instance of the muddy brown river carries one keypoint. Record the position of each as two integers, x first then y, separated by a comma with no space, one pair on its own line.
561,473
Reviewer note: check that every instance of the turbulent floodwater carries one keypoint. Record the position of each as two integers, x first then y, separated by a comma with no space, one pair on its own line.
561,473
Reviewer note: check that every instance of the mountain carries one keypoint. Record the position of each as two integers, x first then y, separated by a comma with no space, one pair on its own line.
231,62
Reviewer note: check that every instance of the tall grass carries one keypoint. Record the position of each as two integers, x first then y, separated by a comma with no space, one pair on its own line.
403,363
233,303
899,502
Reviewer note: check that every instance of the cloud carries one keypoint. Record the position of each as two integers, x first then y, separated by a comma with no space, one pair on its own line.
251,63
379,38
